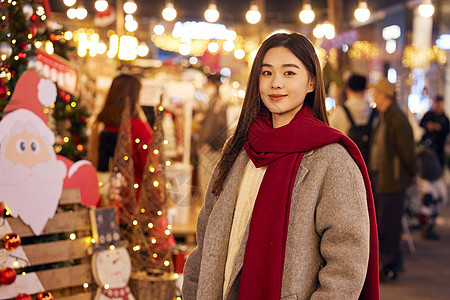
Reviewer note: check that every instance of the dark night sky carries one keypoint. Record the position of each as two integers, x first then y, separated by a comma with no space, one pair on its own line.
233,11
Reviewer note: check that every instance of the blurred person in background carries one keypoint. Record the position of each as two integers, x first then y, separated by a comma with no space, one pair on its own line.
392,166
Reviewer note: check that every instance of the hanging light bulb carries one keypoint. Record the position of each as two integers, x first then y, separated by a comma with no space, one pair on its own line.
169,13
212,14
307,15
69,2
131,25
101,5
71,13
130,7
253,15
328,30
362,13
426,9
318,31
81,12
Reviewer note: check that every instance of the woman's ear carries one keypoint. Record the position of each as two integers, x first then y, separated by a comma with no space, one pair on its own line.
311,84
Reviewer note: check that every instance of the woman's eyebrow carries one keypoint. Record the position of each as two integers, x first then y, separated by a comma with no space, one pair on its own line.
284,65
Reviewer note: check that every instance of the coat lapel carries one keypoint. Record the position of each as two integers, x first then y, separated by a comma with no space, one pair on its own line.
215,246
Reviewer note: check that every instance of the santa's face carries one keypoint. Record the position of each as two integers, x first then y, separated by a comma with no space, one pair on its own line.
31,177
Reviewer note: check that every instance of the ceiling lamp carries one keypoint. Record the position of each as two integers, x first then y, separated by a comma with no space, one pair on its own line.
212,14
306,15
426,9
130,7
69,2
101,5
253,15
169,13
362,13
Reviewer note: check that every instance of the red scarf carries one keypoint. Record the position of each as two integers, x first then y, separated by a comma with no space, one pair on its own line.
282,150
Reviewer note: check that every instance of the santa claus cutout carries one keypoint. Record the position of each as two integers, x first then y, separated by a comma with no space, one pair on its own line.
31,174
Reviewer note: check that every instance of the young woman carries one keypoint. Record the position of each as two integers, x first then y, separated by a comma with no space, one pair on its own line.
107,125
289,211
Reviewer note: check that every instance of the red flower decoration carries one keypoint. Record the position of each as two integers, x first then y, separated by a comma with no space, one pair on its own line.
23,297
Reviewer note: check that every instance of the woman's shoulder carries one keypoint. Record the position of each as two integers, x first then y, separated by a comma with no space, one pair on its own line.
140,128
333,153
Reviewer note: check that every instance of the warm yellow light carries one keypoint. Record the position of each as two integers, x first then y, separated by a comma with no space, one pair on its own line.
159,213
49,47
175,275
106,286
156,151
73,236
169,13
136,248
71,13
15,264
112,247
213,47
155,255
306,15
168,163
239,53
153,240
362,13
166,263
151,169
101,5
212,14
81,12
85,285
136,185
142,210
135,222
69,2
228,46
159,29
66,139
68,35
167,232
169,226
155,183
426,9
130,7
253,15
150,225
125,158
144,146
184,49
93,241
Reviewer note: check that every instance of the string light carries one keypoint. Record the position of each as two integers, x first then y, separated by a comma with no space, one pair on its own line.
155,183
175,275
130,7
69,2
158,29
73,236
135,222
142,210
169,13
101,5
150,225
159,213
153,240
112,247
144,146
156,151
85,285
81,12
253,15
136,248
362,13
212,14
166,263
136,185
306,15
93,241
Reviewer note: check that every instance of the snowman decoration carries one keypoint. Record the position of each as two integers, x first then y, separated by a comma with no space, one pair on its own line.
111,265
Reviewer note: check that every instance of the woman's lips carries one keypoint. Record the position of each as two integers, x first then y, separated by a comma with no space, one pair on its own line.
277,97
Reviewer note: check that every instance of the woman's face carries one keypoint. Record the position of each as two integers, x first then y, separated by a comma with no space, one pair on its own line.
283,84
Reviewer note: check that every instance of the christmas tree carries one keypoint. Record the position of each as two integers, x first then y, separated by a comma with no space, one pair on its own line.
143,220
24,25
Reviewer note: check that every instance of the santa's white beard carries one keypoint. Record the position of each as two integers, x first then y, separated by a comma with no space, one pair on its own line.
32,193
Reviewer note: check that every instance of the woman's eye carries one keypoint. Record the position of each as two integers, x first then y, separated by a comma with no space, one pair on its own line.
266,72
21,146
289,73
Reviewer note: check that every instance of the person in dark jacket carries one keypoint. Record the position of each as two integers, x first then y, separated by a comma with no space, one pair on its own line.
436,125
392,166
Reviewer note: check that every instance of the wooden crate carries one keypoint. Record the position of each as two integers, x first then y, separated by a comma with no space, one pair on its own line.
146,287
64,264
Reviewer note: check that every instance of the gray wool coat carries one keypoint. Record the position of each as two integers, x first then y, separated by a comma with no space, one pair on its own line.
327,247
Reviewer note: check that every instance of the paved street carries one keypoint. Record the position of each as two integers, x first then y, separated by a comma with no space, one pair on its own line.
427,272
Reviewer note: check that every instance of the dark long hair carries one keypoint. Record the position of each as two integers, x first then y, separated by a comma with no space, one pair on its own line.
123,86
303,49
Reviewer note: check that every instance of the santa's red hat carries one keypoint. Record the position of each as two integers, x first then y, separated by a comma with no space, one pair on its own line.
31,92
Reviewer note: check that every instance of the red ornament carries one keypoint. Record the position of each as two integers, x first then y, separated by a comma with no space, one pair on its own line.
7,275
11,241
23,297
2,209
45,296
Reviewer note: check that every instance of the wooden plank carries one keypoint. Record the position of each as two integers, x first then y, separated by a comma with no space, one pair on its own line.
54,279
59,251
70,196
83,296
60,223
